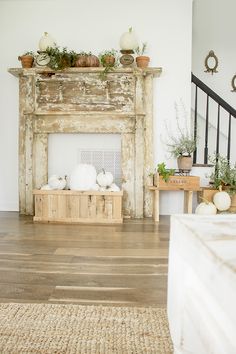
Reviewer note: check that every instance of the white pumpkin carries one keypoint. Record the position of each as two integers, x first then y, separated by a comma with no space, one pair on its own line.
102,189
95,187
105,179
128,40
46,187
206,208
83,178
56,182
222,200
46,41
113,188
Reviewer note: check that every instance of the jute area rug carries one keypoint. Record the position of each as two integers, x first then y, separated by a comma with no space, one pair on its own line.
73,329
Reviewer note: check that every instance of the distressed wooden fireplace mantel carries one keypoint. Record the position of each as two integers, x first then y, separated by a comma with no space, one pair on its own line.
77,100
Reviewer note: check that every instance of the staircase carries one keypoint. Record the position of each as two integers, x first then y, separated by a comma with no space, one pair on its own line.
214,124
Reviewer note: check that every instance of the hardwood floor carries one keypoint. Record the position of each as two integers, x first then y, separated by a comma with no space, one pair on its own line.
119,265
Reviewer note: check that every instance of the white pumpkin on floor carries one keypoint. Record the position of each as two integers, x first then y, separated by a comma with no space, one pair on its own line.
83,178
105,179
222,200
206,208
56,182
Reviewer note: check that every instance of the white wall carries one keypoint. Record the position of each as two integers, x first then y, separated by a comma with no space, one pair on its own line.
165,24
214,29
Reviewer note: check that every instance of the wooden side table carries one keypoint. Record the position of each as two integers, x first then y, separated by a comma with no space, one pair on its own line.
188,184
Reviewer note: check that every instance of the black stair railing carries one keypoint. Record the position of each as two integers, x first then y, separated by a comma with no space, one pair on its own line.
222,104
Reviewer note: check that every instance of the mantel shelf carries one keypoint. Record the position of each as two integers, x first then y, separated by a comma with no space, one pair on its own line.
40,70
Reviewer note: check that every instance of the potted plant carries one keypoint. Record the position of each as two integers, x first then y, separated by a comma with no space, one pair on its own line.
223,178
162,171
182,144
224,174
108,60
182,147
142,60
27,59
61,59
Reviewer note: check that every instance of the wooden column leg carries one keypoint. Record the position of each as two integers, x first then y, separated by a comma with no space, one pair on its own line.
188,202
156,205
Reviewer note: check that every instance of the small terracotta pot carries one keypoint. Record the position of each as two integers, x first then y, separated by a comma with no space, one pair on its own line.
26,61
142,61
109,60
185,163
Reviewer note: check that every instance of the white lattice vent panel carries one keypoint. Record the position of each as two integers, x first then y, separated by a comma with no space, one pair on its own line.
110,160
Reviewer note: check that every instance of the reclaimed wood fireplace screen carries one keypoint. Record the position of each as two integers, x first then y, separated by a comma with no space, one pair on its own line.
77,100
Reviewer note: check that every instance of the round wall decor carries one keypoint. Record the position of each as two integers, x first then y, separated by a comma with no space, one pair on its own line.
233,83
211,67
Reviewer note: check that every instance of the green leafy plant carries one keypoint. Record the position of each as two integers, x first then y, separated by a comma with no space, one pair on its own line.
61,59
164,172
182,143
31,53
141,50
107,62
224,173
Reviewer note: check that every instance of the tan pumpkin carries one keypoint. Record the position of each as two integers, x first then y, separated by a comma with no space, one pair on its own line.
81,61
92,61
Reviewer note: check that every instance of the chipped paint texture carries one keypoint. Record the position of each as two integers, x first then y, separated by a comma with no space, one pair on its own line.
79,101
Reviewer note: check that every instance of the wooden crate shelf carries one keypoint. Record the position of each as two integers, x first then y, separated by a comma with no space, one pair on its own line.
66,206
177,183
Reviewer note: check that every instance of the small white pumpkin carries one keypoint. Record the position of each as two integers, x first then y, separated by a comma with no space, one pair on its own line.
46,187
95,187
105,179
56,182
83,178
113,188
222,200
128,40
206,208
46,41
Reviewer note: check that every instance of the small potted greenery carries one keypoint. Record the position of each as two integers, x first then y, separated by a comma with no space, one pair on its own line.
224,174
142,60
182,144
162,171
109,60
223,178
181,148
27,59
61,59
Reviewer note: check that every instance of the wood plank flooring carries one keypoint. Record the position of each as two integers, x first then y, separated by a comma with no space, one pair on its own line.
119,265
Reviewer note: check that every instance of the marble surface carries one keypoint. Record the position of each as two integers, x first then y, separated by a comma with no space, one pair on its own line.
202,284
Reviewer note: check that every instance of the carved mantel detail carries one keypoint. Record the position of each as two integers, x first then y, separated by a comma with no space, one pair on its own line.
76,100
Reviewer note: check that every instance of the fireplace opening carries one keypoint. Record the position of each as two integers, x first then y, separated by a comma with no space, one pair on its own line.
65,151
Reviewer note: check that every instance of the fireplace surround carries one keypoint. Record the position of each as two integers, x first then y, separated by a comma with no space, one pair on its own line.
77,100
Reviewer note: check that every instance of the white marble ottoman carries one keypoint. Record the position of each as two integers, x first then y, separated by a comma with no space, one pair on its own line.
202,284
